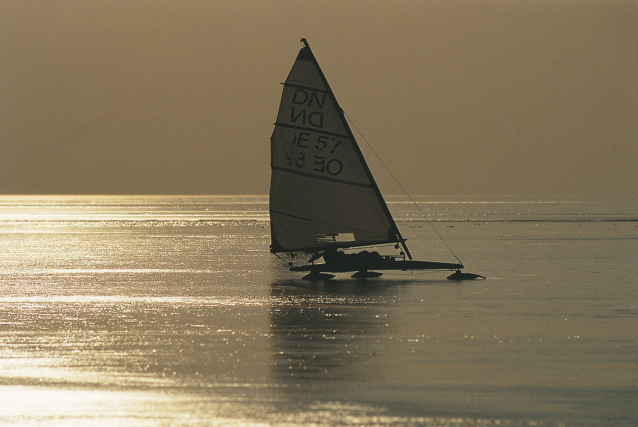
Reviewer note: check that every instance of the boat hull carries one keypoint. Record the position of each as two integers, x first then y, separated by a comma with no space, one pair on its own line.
383,264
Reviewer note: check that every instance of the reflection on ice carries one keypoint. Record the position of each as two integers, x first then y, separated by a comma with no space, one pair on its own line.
26,406
320,342
93,407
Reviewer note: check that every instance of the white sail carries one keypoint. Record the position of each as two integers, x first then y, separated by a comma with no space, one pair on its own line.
322,193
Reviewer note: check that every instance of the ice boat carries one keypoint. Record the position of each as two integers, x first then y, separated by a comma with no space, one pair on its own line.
323,197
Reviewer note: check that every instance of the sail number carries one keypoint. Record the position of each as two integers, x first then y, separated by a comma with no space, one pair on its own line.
296,146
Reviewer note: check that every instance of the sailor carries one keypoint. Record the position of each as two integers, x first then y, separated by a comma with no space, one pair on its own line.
334,257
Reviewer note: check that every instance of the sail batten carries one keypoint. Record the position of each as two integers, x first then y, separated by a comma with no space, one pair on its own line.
322,192
308,128
356,184
301,86
381,236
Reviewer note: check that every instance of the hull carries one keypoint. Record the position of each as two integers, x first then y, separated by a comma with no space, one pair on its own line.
374,263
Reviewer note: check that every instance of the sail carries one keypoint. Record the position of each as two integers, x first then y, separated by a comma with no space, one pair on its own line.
322,193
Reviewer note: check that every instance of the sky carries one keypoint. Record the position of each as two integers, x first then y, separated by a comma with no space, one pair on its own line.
457,97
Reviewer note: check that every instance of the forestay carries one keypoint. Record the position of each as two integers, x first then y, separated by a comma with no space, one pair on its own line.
322,193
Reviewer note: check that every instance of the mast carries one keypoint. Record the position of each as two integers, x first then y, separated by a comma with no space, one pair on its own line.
368,173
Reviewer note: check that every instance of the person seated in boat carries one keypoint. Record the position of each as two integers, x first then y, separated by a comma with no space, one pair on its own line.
333,257
365,259
368,256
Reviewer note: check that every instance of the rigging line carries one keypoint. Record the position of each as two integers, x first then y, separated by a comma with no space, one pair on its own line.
401,186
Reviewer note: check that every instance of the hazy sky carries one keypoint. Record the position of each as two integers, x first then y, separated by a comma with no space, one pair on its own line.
457,97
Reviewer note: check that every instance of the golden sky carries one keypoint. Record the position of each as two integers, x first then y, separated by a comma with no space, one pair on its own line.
456,96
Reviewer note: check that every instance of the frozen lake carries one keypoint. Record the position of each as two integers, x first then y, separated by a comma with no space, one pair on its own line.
154,311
